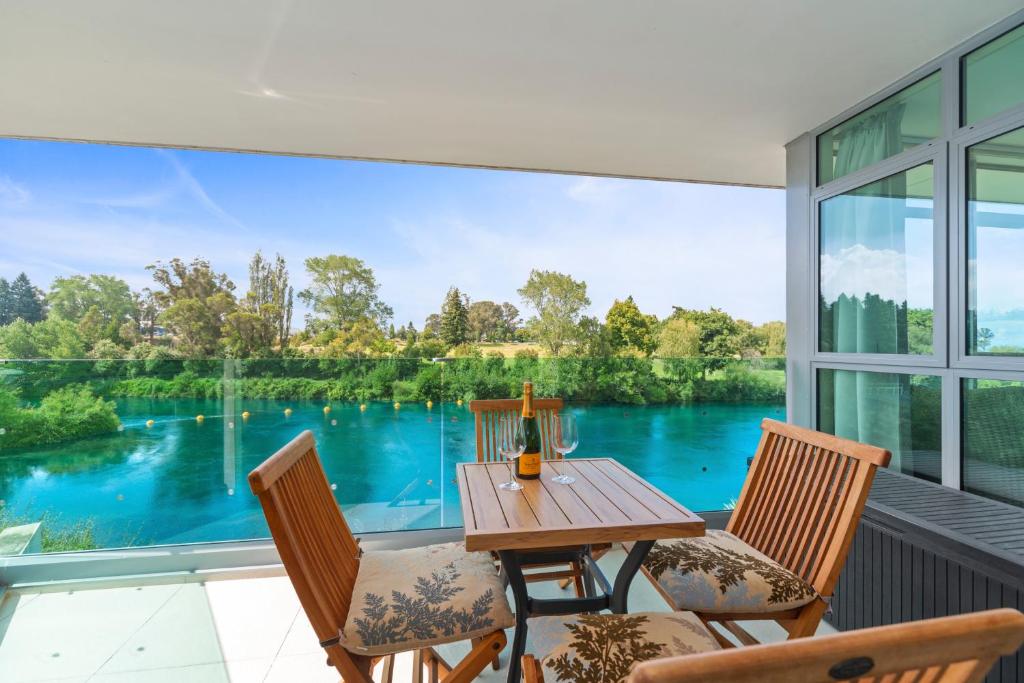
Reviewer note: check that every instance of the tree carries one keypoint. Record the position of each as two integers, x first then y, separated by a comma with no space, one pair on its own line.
344,291
6,304
147,311
248,334
774,334
25,301
432,326
363,338
263,317
72,297
196,302
486,321
716,335
629,329
52,338
509,321
558,302
270,296
679,346
410,333
454,318
984,339
391,331
92,326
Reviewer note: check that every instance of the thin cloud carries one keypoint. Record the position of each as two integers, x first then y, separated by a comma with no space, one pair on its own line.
591,190
143,200
13,194
195,189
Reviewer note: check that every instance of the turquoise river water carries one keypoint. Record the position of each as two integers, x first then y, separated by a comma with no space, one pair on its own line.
181,481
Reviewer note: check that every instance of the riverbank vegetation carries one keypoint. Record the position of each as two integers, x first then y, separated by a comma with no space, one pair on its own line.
57,536
161,342
64,414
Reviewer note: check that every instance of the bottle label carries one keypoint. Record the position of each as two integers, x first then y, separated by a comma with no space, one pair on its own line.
529,464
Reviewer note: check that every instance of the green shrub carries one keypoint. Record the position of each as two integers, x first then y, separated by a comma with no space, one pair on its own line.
73,412
56,537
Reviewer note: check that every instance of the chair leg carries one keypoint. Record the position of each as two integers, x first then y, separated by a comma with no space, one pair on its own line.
417,666
442,665
740,633
724,642
806,623
576,579
387,672
486,650
532,672
495,664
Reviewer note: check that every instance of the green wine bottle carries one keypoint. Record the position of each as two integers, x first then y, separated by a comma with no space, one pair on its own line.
528,464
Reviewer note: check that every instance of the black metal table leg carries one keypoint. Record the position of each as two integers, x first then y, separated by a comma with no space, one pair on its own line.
629,568
589,588
514,571
599,594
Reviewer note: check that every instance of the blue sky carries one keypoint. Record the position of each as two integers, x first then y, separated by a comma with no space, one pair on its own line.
69,208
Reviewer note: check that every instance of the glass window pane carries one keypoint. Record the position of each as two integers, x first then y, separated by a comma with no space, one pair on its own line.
995,246
993,77
876,267
891,410
993,439
897,123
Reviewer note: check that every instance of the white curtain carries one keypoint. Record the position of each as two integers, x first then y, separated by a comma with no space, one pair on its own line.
864,236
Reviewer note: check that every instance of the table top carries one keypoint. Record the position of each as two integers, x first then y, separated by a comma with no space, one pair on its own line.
606,503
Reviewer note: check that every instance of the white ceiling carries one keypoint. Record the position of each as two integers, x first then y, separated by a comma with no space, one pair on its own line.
707,90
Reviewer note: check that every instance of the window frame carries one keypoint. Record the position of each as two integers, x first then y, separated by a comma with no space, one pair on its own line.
991,34
957,377
903,162
950,470
960,358
898,87
804,196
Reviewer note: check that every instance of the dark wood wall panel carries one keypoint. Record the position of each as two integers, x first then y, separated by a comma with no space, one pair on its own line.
892,575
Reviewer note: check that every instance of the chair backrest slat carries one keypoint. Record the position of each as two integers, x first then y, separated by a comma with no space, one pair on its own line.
488,414
803,497
316,545
958,649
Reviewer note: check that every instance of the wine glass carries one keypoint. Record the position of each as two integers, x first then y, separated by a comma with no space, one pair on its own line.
567,438
511,444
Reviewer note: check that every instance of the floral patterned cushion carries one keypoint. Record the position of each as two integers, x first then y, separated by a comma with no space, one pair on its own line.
415,598
602,648
720,574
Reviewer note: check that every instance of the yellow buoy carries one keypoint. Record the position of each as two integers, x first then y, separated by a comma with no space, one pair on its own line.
149,423
287,412
430,404
327,409
397,405
362,407
459,402
199,418
245,414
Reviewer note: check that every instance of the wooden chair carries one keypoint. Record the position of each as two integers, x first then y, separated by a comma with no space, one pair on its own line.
322,559
487,417
958,649
799,507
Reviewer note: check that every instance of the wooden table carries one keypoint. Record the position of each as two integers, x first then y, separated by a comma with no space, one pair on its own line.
549,522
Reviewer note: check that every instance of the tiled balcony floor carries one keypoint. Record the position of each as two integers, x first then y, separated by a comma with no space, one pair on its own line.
232,630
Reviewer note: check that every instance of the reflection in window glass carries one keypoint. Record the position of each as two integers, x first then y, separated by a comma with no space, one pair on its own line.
897,123
993,77
891,410
993,439
995,246
876,267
